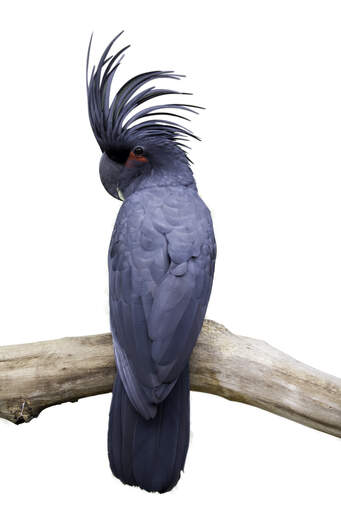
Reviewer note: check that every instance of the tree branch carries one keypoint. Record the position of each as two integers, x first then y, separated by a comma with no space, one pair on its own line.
34,376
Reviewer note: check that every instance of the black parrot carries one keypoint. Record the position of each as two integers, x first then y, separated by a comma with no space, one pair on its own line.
161,265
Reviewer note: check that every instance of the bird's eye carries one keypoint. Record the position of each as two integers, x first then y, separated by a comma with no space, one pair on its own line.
138,151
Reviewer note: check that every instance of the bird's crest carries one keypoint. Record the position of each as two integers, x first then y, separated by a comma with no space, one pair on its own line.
109,119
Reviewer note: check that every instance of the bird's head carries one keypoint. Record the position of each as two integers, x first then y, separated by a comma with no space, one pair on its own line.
134,151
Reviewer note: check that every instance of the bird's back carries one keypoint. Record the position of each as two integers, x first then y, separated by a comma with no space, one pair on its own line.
161,265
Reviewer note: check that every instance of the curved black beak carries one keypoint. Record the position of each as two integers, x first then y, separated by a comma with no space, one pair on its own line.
110,173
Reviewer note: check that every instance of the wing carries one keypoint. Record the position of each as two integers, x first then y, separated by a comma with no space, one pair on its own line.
161,266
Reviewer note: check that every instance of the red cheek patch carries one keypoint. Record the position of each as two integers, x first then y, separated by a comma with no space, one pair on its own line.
132,159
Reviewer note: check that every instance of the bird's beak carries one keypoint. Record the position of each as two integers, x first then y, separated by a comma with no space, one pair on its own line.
110,173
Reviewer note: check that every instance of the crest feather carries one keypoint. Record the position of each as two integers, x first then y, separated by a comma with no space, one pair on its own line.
108,120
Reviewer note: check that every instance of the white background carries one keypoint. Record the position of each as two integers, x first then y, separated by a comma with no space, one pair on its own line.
268,167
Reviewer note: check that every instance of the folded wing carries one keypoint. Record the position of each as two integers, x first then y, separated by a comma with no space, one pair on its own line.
161,265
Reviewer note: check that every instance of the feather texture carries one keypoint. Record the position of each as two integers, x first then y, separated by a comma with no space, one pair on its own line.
156,317
136,444
108,119
161,265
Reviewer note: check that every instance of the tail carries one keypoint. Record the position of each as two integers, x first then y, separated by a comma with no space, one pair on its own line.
149,453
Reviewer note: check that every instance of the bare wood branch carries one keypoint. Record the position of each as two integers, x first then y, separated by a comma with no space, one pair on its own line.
34,376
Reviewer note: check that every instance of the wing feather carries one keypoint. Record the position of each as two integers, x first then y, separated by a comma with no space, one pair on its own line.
160,282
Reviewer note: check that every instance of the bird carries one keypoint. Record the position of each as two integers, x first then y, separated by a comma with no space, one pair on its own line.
161,262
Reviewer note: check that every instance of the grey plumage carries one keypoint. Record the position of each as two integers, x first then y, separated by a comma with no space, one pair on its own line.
161,265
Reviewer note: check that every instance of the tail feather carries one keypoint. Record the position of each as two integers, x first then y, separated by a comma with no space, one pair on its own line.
149,453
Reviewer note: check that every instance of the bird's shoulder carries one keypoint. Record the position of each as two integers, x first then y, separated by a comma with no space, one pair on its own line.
153,214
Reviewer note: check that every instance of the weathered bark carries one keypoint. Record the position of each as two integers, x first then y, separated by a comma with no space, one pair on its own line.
34,376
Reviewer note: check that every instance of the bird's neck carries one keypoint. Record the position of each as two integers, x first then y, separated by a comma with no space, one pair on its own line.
163,176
